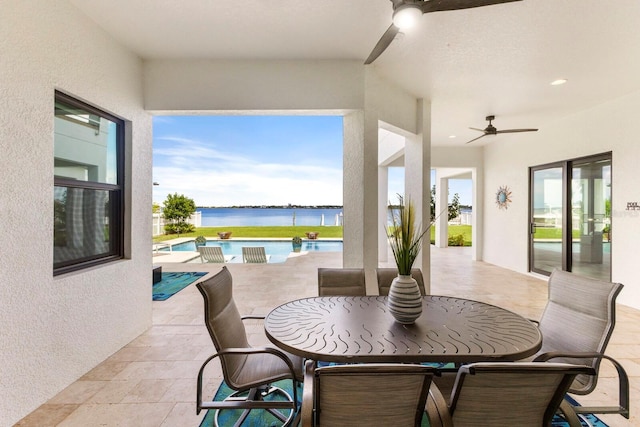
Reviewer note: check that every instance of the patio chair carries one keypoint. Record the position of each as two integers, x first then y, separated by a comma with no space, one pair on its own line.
341,282
213,254
255,255
576,326
367,394
506,394
248,370
386,276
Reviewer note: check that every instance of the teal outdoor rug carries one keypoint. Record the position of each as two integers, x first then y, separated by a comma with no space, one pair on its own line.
173,283
587,420
258,418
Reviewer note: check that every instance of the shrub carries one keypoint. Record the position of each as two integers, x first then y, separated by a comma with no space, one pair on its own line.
179,228
177,210
456,240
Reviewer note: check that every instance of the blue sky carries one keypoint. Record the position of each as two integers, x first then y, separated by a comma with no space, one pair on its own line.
253,160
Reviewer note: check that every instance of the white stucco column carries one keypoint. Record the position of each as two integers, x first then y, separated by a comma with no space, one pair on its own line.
442,209
383,190
413,180
417,164
353,195
477,215
369,190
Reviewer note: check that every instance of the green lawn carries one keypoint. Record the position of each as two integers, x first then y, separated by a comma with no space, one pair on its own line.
455,230
553,233
275,231
333,231
291,231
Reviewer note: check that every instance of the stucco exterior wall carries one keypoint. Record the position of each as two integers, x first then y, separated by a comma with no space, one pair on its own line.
253,85
612,126
54,330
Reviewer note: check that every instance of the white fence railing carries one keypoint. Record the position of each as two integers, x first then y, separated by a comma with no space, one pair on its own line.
463,219
158,222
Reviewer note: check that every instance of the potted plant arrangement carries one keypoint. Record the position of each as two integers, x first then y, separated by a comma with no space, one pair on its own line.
405,301
296,242
200,241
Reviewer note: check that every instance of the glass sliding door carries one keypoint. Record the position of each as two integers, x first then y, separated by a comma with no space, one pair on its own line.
547,219
591,218
570,217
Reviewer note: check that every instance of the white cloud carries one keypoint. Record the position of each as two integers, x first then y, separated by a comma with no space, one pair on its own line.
244,182
188,150
213,177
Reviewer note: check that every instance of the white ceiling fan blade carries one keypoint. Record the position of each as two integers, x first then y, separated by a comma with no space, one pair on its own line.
382,44
442,5
516,130
474,139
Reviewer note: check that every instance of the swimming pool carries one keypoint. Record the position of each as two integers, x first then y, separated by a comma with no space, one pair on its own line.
278,249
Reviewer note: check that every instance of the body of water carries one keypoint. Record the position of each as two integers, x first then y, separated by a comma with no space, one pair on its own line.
223,217
228,217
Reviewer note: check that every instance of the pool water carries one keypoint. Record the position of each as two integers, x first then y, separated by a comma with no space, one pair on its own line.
278,249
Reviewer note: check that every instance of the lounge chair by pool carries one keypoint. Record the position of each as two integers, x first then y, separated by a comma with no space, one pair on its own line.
255,255
213,254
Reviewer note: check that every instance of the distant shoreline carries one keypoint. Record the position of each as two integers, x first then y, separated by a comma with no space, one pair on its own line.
273,207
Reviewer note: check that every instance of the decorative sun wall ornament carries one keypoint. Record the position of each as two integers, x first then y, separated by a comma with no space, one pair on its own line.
503,197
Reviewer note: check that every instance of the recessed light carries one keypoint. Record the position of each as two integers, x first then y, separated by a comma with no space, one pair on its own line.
452,136
558,82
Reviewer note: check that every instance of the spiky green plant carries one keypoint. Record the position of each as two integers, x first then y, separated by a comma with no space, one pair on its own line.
404,237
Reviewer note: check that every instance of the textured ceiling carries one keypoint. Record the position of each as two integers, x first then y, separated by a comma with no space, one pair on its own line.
469,63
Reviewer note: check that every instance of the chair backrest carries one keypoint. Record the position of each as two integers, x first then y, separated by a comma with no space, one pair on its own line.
211,253
223,321
579,317
501,394
341,282
368,394
254,254
386,276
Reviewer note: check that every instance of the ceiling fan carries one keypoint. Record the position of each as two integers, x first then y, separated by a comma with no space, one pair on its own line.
407,12
491,130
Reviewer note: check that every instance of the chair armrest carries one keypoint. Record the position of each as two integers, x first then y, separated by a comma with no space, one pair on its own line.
437,408
569,414
623,381
246,351
545,357
251,316
534,321
307,393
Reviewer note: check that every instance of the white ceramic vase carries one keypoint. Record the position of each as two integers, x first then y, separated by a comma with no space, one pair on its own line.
405,300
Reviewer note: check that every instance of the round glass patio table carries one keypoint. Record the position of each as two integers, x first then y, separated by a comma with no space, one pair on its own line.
361,330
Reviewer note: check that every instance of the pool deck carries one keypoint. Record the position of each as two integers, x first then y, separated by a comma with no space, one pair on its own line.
177,256
161,256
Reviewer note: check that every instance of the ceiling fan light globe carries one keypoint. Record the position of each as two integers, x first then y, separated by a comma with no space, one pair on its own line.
406,16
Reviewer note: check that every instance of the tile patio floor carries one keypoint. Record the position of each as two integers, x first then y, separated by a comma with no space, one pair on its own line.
151,381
